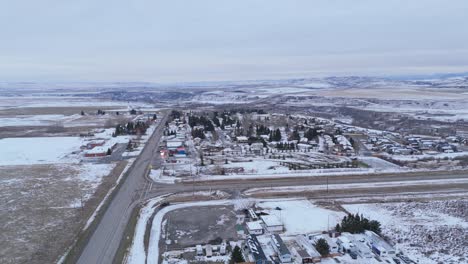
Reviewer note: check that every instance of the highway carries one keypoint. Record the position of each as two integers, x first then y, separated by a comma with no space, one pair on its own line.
243,184
105,240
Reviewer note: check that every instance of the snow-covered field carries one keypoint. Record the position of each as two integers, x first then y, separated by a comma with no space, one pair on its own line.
39,150
301,216
430,232
35,120
259,166
43,207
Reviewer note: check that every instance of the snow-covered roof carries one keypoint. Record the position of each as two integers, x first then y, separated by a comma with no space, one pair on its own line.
271,220
255,225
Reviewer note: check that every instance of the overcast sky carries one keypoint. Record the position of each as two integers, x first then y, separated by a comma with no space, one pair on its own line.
174,40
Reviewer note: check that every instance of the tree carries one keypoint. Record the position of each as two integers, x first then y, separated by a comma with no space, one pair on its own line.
82,113
295,135
338,228
133,112
358,224
202,163
236,256
109,152
375,226
322,247
277,135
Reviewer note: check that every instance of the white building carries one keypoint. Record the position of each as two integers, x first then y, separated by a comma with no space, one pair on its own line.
255,228
242,139
173,144
199,250
209,251
222,248
272,223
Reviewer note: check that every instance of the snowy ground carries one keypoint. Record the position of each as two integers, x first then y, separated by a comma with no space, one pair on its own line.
301,173
45,150
35,120
379,164
156,176
259,166
431,232
43,207
301,216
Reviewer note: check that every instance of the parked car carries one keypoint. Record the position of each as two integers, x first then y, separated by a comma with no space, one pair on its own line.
353,255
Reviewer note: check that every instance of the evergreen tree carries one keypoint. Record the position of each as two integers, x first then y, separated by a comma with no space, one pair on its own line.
322,247
295,135
109,152
338,228
236,256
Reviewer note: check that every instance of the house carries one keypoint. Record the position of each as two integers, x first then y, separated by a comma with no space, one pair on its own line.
272,223
181,150
95,143
222,248
256,249
209,251
199,250
257,148
379,245
307,251
363,250
173,144
280,248
345,244
260,117
242,139
255,228
305,257
96,152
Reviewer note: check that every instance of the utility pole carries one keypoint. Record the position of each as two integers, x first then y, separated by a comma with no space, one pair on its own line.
327,185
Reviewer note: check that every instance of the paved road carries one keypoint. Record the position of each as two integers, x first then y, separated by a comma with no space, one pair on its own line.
243,184
105,240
